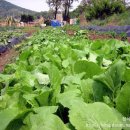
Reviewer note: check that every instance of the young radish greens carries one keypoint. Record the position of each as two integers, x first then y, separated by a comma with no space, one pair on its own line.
67,83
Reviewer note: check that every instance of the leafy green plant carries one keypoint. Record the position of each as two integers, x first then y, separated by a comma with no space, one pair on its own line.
113,34
60,82
6,35
123,36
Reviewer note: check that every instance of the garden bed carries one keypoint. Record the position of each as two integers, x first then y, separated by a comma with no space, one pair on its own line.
94,35
56,73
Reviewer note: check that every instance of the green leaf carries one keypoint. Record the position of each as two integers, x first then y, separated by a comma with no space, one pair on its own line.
123,100
46,109
43,120
69,97
42,78
56,79
4,78
113,76
73,79
65,63
25,78
106,62
30,99
93,90
97,45
127,75
44,97
96,116
93,57
6,116
87,90
25,54
90,68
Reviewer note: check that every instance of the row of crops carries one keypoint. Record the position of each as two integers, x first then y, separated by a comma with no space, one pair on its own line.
5,36
10,38
67,83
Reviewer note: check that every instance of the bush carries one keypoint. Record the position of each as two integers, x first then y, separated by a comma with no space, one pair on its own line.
103,8
115,19
27,18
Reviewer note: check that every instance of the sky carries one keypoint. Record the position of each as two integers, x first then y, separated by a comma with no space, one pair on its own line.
36,5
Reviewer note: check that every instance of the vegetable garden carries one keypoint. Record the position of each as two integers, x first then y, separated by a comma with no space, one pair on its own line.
60,82
10,38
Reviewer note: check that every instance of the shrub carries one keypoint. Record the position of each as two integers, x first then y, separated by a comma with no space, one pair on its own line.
103,8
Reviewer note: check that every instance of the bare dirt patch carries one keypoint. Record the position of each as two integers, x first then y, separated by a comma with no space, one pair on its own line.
94,36
7,57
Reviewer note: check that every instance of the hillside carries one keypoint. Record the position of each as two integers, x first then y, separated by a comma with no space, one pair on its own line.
9,9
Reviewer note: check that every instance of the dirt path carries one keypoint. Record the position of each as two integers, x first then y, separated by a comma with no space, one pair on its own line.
7,57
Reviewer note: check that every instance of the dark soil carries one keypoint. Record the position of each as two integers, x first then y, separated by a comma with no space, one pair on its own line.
128,38
70,32
7,57
94,36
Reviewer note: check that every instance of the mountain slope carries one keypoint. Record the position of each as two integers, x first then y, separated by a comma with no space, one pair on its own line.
9,9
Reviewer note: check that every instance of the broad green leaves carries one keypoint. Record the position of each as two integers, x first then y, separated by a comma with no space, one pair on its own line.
113,76
6,116
89,68
123,100
70,97
96,116
43,119
55,79
42,122
66,83
42,78
127,75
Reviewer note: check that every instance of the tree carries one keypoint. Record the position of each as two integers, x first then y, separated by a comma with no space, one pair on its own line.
85,2
103,8
67,4
30,18
26,18
78,11
55,4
